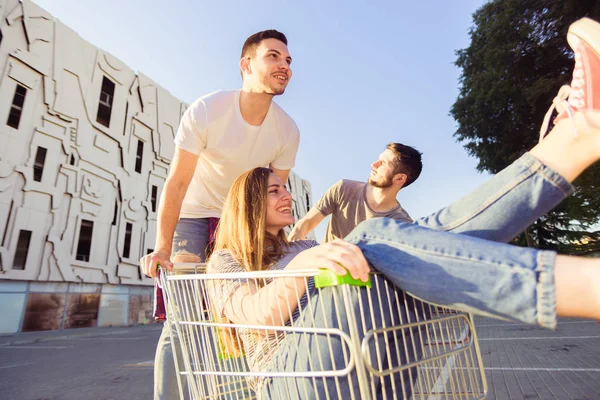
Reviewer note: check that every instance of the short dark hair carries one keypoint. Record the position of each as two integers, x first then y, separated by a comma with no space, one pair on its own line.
408,161
250,45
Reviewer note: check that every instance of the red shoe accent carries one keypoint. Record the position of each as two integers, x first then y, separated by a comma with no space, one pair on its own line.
584,39
584,92
585,86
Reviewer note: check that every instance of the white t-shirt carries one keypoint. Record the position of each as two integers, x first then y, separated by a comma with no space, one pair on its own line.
227,146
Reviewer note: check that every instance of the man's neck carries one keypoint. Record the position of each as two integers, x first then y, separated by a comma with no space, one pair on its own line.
254,106
381,199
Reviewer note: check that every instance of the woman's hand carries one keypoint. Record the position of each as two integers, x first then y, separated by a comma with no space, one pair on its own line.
338,256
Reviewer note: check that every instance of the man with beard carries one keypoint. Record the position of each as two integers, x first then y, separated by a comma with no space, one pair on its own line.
220,136
351,202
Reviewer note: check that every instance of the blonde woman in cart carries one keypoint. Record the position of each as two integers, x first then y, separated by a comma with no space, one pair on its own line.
452,258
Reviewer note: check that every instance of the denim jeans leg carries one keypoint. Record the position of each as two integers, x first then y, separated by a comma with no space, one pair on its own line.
462,272
506,205
300,353
165,379
190,238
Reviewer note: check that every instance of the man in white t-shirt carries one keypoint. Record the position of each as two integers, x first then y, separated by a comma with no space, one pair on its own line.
220,136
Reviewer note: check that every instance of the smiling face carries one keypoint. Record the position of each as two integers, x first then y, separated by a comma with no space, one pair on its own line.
279,206
268,70
382,170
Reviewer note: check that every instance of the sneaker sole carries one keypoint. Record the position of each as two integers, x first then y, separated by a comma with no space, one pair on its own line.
585,29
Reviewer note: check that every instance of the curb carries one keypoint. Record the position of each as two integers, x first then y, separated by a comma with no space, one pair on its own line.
18,339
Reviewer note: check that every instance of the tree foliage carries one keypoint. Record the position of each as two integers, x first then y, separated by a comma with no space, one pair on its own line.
517,60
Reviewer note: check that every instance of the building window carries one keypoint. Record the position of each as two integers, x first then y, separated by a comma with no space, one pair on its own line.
10,211
72,160
148,251
22,250
114,221
106,100
14,116
153,199
139,156
307,203
127,244
38,166
85,240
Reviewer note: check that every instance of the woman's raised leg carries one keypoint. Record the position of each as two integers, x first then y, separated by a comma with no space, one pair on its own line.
538,181
480,276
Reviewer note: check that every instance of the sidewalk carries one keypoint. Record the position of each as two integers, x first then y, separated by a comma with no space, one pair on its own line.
47,336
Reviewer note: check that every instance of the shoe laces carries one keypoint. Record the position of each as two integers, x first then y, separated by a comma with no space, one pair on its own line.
561,103
569,98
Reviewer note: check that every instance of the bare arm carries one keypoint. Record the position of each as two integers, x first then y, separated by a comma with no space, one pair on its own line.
274,304
330,202
306,225
176,185
180,176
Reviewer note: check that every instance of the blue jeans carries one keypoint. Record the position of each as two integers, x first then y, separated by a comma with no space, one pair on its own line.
191,237
469,271
372,309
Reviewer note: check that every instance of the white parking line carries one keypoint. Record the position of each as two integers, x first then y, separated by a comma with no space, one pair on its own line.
539,338
560,323
440,383
526,369
142,364
35,347
112,338
543,369
14,365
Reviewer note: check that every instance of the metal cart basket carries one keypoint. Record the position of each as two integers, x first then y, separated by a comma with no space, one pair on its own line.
377,342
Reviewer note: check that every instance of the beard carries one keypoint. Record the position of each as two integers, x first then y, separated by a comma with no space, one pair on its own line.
382,184
272,89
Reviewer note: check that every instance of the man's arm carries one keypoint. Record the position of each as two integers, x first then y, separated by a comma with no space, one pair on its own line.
306,225
176,185
287,158
326,205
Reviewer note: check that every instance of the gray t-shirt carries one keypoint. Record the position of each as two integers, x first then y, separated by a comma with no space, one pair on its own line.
346,201
259,349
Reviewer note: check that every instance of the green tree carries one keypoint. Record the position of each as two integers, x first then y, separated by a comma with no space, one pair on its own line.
517,60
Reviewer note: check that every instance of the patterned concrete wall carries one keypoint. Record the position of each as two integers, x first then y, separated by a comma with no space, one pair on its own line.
67,170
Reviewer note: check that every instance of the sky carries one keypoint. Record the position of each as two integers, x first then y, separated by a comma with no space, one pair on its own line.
365,73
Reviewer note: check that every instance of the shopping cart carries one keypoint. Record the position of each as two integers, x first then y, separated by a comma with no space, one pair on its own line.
391,345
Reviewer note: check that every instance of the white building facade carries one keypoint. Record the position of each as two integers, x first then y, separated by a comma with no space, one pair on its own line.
85,147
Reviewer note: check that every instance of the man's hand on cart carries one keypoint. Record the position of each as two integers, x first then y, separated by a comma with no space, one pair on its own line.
151,262
338,256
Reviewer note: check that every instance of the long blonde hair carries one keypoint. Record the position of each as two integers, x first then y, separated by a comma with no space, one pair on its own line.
242,231
242,228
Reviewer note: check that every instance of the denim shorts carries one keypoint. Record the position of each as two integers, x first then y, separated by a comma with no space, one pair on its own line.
191,237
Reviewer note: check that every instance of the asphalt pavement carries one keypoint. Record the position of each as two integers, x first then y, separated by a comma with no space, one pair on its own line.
521,362
529,362
102,364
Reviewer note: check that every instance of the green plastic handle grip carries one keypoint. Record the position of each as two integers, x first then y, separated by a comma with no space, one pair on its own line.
327,278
